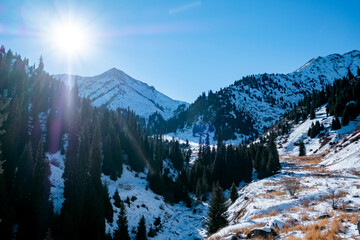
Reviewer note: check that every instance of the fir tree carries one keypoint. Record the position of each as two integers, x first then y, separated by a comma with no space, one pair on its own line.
39,196
121,233
198,191
117,199
302,150
233,193
335,124
312,112
217,210
345,119
108,210
141,230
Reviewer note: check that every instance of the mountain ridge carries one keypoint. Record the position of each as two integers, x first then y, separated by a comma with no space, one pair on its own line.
114,88
259,100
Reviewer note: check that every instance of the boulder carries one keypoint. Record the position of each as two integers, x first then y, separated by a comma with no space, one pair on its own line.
352,209
261,232
358,226
324,216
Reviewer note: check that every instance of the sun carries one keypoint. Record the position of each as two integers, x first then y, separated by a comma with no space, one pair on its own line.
70,38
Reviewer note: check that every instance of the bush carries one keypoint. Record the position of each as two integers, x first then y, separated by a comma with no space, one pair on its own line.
292,185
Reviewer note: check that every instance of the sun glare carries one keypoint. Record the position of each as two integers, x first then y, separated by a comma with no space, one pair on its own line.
69,38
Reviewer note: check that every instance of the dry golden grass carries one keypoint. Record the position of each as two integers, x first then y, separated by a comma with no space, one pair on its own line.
318,235
270,183
305,204
349,217
316,231
272,194
261,238
355,172
336,226
269,214
318,226
246,230
305,218
292,238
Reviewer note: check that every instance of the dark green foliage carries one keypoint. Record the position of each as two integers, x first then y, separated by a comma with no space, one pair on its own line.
109,212
217,210
312,112
122,233
156,183
335,124
315,129
127,201
176,156
345,119
39,195
233,193
117,199
141,230
151,232
218,114
157,222
302,150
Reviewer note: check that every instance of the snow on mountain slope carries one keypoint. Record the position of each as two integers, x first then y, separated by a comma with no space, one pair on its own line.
266,97
341,147
326,202
257,101
177,220
115,89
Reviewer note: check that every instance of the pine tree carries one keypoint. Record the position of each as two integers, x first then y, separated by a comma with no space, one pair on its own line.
345,119
274,164
108,210
302,150
117,199
121,233
141,230
335,124
217,210
233,193
312,112
198,191
39,196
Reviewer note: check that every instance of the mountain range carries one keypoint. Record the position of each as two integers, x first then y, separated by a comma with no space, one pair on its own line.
252,104
115,89
240,111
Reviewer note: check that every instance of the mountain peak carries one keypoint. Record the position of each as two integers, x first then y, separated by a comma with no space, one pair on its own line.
115,89
113,71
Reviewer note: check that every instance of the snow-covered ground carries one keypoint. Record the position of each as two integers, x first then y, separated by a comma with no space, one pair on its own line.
177,220
330,173
340,146
266,201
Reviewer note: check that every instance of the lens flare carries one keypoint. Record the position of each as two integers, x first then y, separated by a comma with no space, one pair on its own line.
70,38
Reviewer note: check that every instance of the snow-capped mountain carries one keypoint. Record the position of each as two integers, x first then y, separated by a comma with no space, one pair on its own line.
115,89
268,96
259,100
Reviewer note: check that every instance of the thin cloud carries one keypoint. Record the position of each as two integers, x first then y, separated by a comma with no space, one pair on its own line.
185,7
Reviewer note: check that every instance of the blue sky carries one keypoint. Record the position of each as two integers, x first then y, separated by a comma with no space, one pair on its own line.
183,48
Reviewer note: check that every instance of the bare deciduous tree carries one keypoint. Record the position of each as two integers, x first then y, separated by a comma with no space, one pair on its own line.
291,185
334,197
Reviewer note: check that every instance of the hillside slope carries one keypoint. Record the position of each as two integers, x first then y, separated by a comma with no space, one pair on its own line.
253,103
115,89
326,202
